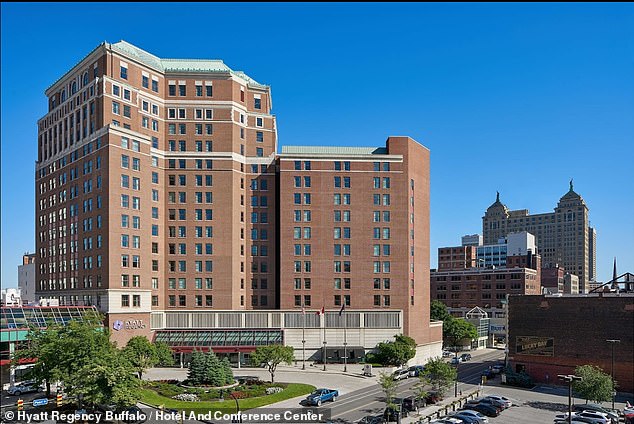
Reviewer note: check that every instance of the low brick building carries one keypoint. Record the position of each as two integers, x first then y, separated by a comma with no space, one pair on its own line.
552,335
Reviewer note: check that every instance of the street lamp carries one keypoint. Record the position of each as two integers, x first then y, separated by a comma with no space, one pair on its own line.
613,342
569,379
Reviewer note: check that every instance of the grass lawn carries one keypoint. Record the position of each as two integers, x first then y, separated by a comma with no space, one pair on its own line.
293,390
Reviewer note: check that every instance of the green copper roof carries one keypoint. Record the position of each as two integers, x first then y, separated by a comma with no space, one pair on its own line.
180,65
329,150
203,66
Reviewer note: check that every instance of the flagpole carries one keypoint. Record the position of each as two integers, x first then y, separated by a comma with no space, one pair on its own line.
345,342
303,337
325,359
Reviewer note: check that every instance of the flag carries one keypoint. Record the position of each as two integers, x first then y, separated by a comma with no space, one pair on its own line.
321,311
303,310
343,308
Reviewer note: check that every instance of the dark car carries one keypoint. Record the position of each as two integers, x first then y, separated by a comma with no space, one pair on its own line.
392,413
415,370
499,405
488,410
465,357
412,403
372,419
432,397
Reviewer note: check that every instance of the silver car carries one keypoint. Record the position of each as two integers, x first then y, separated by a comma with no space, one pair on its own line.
23,387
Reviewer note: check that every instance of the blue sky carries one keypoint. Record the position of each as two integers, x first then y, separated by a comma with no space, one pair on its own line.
516,98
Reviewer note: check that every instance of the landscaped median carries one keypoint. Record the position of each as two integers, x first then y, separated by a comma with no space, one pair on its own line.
150,395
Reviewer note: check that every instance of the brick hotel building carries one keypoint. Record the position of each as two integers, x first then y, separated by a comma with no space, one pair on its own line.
161,199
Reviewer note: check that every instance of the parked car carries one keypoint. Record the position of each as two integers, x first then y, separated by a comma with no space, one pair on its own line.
322,395
412,403
488,401
488,410
433,397
401,374
507,402
415,370
575,419
23,387
598,417
468,418
614,416
481,419
465,357
447,420
446,354
392,413
372,419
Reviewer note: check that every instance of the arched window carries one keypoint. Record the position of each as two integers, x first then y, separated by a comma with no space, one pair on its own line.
63,96
73,88
85,79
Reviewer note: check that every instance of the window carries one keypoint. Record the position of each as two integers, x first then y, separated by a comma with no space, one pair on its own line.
125,300
182,90
124,72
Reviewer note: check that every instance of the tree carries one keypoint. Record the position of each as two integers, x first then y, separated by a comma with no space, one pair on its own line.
272,356
420,389
439,374
398,352
197,373
164,354
456,330
438,311
388,385
80,355
228,372
595,385
141,353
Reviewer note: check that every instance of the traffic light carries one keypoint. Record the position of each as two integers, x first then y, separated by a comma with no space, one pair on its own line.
59,400
20,404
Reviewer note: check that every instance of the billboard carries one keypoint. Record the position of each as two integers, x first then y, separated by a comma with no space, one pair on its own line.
537,346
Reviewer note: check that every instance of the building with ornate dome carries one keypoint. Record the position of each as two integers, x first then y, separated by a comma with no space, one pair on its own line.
564,237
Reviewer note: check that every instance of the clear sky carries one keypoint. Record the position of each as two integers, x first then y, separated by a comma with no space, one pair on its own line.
515,98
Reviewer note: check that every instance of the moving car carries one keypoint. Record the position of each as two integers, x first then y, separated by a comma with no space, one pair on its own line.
465,357
415,370
456,360
446,420
498,368
401,374
23,387
322,395
488,410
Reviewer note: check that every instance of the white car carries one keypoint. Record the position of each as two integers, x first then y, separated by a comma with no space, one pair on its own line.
401,374
446,420
598,417
506,401
23,387
473,414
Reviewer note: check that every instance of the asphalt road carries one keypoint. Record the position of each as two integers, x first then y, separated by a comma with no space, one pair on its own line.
371,401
